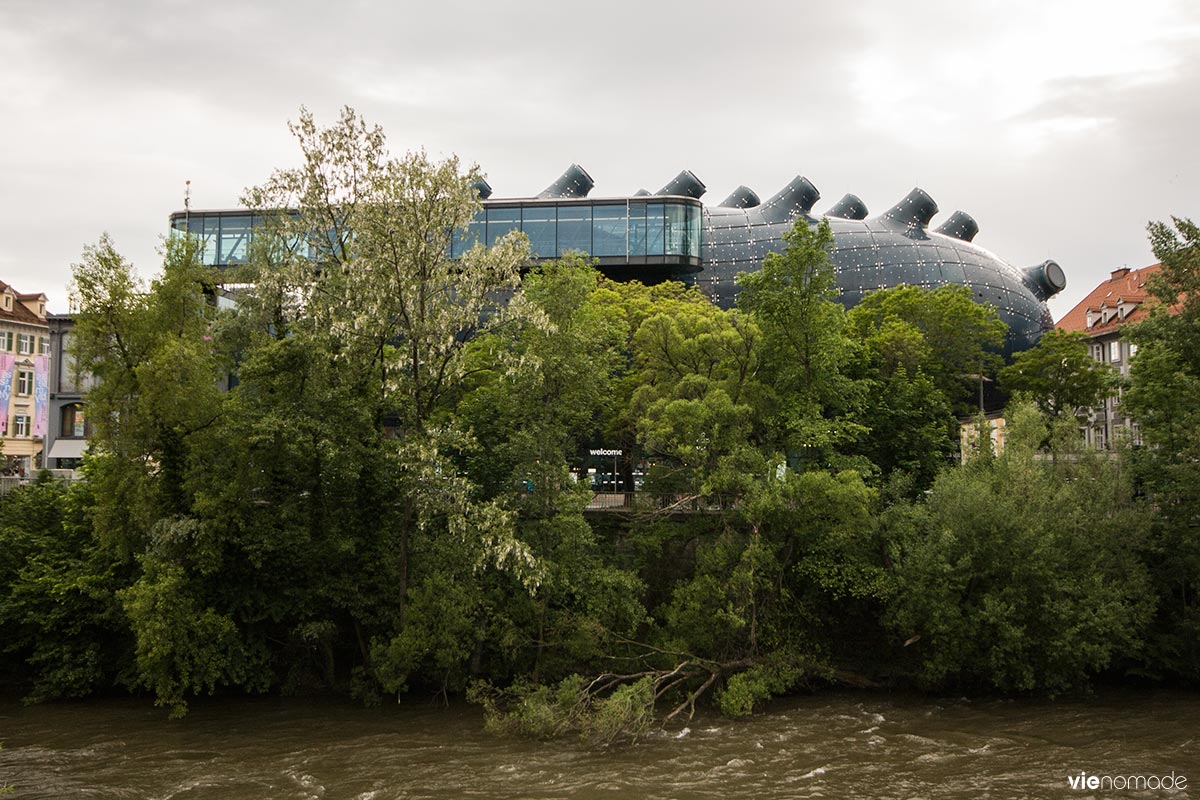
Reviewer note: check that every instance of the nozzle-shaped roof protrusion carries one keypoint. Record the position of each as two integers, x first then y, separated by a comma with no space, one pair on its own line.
685,184
575,182
741,197
849,207
960,225
915,210
798,197
642,193
1045,280
483,188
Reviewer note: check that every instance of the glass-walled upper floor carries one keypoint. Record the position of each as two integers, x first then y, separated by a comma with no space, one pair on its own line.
629,230
634,230
224,235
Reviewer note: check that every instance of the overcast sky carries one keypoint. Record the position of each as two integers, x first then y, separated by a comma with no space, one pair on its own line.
1062,127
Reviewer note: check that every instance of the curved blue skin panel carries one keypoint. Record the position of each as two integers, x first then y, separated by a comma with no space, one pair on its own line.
892,249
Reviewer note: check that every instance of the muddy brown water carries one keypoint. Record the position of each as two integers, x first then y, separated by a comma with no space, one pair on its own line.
839,745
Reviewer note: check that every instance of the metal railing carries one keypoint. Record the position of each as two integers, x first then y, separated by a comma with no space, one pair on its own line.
652,503
10,482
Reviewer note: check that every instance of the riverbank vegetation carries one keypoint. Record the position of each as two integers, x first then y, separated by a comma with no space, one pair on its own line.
364,478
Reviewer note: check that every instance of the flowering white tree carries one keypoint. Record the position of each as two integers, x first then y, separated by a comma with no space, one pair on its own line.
369,264
352,266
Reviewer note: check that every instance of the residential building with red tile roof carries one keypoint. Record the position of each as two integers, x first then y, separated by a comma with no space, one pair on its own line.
1121,300
24,377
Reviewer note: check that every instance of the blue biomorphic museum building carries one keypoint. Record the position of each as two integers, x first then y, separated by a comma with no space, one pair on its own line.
671,235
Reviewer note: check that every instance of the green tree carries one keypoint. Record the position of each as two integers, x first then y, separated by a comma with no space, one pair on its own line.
65,633
355,293
698,395
1020,573
542,384
918,355
398,310
643,372
804,345
797,546
1059,375
156,409
1164,398
941,332
157,393
749,620
912,433
309,519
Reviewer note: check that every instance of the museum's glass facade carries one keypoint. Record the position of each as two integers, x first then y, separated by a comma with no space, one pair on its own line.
656,230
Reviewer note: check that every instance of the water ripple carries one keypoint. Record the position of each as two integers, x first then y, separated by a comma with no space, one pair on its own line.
839,745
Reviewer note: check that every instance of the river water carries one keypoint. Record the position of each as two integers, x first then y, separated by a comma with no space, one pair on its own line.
835,745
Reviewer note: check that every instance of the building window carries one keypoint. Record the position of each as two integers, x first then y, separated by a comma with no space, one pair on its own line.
25,343
1114,351
20,425
8,302
6,341
1132,350
74,422
574,229
24,382
539,225
44,345
610,226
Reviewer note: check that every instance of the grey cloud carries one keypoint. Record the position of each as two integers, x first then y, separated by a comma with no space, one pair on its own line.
133,98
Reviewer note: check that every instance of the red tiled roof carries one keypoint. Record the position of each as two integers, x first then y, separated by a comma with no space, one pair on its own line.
18,312
1125,285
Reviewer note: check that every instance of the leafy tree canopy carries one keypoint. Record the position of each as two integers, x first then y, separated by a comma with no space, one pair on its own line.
941,332
1164,398
1060,375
